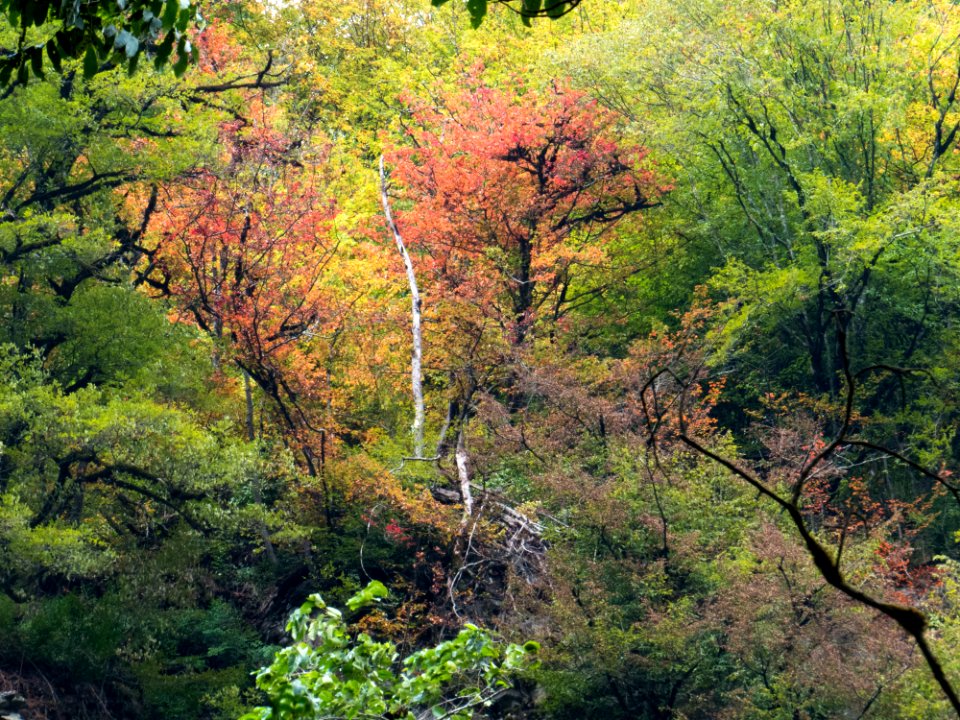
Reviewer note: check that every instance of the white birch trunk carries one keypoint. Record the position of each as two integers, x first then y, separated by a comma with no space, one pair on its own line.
463,473
416,363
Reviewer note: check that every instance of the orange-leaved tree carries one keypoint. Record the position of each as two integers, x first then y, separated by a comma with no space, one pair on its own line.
511,190
243,252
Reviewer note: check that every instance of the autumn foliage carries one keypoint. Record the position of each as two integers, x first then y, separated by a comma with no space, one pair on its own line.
512,190
669,312
243,252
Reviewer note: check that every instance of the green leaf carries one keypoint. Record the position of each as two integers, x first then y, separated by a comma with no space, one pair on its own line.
170,11
557,10
131,46
90,63
180,66
39,12
68,42
13,16
54,54
371,594
163,51
477,10
36,61
183,20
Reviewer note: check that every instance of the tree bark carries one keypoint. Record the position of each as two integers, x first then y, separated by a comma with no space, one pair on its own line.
463,474
416,362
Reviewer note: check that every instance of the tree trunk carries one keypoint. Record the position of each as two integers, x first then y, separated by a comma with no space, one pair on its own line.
416,362
463,475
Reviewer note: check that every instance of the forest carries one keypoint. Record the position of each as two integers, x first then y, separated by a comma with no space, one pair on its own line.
479,360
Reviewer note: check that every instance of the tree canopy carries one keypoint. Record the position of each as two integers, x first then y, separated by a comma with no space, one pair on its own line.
629,338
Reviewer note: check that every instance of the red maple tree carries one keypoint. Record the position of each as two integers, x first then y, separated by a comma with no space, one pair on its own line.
243,252
511,190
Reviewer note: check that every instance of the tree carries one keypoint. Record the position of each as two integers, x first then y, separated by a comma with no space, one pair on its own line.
244,252
110,460
805,485
512,191
416,362
808,142
808,147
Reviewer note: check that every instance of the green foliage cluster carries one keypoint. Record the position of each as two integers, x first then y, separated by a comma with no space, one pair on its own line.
102,33
526,9
328,673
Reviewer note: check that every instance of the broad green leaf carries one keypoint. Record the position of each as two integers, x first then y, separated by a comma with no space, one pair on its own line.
90,63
